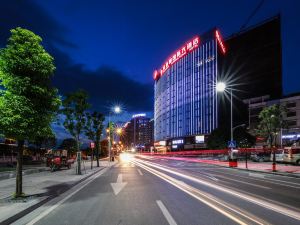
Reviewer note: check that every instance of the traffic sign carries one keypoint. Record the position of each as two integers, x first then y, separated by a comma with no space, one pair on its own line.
92,145
231,144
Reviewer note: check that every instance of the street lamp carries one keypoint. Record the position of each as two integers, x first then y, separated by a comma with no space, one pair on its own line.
221,87
119,131
115,110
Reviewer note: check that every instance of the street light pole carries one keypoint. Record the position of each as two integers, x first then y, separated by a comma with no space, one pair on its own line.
231,116
109,141
116,110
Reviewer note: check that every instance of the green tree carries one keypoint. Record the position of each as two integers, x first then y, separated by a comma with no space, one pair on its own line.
28,102
94,128
218,138
271,122
45,142
74,107
243,138
69,144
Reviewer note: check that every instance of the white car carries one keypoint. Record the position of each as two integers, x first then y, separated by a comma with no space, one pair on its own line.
279,155
292,155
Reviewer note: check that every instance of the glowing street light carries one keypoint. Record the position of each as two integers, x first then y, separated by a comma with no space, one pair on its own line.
119,131
221,86
116,110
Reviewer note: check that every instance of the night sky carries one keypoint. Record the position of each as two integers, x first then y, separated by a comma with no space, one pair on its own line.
110,48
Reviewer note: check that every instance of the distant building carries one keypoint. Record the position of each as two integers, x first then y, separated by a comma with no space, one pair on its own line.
292,104
138,132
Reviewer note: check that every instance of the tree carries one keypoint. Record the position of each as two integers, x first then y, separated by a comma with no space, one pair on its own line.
45,142
94,128
271,122
69,144
243,138
218,138
74,106
28,102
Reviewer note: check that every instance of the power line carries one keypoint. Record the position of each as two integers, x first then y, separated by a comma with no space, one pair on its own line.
252,14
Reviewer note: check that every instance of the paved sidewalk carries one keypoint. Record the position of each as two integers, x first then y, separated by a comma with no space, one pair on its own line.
41,186
26,170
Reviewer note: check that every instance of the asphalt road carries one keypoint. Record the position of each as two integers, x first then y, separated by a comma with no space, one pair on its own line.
150,190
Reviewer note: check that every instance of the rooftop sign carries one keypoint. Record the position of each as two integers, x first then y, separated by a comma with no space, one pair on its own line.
220,42
188,47
139,115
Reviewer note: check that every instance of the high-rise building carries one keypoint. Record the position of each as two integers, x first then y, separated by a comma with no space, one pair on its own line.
187,106
138,132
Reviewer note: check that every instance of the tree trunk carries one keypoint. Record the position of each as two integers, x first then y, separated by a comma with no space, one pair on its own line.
97,152
19,168
78,158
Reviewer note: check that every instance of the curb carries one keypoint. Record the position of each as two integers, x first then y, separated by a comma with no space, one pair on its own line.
286,174
21,214
270,173
8,175
258,171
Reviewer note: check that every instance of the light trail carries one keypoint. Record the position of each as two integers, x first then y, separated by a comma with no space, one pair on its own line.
235,214
270,206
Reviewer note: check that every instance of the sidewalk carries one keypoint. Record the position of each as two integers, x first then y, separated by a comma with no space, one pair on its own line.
40,187
265,167
27,169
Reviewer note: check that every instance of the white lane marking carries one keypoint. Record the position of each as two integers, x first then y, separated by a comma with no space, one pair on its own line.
186,188
277,208
166,213
244,182
211,177
256,175
140,172
77,188
267,180
119,185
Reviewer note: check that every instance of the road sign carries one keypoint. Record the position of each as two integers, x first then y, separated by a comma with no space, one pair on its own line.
231,144
92,145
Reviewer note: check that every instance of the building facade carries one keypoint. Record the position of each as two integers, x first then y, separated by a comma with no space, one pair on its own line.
185,93
138,132
292,116
187,107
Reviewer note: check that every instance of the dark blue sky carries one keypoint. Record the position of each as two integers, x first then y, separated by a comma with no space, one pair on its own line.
113,46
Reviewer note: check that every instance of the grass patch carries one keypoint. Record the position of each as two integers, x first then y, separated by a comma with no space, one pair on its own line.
6,169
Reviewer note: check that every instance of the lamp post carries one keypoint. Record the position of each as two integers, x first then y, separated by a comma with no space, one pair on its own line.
115,110
221,87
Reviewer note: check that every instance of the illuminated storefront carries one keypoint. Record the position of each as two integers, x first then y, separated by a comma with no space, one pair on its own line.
185,94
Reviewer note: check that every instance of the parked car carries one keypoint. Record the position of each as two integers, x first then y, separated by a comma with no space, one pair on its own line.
292,155
261,157
279,155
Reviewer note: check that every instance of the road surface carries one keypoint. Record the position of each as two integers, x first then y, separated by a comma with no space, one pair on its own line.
148,190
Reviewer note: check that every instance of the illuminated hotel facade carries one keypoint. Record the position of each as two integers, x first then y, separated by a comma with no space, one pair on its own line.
187,108
185,93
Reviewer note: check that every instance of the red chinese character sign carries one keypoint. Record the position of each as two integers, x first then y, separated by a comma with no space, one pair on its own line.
220,41
188,47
